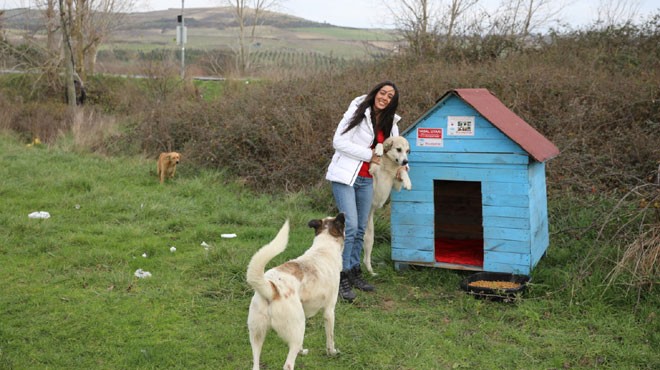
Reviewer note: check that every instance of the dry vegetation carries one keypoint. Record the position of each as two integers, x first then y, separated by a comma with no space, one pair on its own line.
595,94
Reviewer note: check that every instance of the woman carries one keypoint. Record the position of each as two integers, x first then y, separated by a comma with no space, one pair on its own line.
370,119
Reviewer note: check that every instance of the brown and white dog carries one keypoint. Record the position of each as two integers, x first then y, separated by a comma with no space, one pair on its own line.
167,165
288,294
390,173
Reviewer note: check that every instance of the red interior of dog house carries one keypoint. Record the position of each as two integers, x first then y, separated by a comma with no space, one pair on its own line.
458,222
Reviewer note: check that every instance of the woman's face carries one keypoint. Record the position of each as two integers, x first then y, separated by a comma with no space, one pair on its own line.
383,97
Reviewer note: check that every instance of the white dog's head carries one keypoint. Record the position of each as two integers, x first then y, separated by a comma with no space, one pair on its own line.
332,225
397,149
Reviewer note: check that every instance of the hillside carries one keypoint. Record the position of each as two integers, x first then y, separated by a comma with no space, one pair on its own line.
215,28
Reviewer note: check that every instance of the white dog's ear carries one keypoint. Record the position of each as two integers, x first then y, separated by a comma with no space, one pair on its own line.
379,150
387,144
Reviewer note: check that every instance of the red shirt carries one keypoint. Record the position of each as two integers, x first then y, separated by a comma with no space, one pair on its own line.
364,169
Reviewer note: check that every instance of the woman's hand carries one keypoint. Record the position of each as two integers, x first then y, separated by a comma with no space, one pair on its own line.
375,159
398,172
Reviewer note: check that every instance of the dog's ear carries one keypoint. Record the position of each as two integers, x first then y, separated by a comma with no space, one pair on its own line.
315,224
387,144
338,225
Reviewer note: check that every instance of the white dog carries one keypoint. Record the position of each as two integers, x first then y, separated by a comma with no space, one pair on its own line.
287,294
390,173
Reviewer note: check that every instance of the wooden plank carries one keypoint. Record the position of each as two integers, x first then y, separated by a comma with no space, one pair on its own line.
414,195
507,222
409,255
403,218
540,248
415,208
505,188
515,212
506,267
505,200
421,179
488,187
443,157
413,243
478,166
506,246
491,257
468,145
501,233
414,231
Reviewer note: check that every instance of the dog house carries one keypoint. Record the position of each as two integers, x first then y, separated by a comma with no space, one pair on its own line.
479,192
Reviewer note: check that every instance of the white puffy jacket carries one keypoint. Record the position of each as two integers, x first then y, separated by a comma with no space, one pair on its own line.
353,147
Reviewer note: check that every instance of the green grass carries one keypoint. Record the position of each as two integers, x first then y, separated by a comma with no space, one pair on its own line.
69,299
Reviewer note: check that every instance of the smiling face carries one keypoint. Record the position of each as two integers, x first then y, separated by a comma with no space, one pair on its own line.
383,97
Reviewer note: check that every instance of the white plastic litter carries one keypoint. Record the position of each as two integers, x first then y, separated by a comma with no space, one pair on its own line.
39,214
173,249
142,274
228,236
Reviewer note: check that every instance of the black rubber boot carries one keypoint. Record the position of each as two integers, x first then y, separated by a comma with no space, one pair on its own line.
345,291
358,282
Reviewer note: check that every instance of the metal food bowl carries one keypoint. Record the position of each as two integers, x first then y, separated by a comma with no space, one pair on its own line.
495,293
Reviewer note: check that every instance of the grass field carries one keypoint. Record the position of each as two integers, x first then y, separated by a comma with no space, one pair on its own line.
70,300
330,41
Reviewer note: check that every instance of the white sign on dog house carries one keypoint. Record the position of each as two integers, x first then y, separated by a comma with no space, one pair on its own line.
479,192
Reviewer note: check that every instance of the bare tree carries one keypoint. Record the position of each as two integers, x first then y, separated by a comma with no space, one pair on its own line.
2,32
519,18
424,23
613,12
418,23
456,9
94,22
66,17
248,15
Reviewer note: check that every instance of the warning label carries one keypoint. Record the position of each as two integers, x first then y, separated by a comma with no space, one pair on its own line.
429,137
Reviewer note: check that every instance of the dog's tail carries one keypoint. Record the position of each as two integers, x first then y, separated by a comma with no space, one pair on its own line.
255,270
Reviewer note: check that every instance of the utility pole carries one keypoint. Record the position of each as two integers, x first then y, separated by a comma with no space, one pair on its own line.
182,36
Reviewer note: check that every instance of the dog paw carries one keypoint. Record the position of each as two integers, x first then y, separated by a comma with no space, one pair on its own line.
304,351
379,150
332,351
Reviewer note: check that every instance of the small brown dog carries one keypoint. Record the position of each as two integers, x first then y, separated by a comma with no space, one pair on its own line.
167,165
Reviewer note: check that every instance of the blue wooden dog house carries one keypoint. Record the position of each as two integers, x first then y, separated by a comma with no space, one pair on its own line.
479,193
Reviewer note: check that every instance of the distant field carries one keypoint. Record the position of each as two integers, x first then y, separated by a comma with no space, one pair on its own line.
330,41
282,41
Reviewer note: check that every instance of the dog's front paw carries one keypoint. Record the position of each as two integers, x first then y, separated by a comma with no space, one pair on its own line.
379,150
407,184
373,168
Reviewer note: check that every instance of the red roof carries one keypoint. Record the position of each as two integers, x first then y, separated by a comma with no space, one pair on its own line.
514,127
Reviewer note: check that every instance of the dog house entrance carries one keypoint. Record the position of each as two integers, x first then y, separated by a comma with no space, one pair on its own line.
459,236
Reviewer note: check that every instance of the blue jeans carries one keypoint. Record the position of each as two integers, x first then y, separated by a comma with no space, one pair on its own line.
355,202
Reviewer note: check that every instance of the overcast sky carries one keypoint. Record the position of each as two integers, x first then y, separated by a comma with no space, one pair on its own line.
372,13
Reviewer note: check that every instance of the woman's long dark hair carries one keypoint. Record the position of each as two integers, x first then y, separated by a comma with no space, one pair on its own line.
385,119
